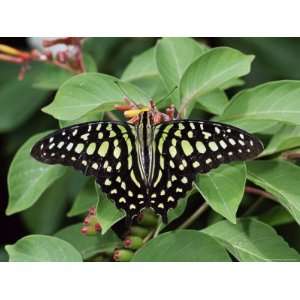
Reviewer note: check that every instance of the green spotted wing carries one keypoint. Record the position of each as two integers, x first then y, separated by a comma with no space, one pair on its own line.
184,148
105,150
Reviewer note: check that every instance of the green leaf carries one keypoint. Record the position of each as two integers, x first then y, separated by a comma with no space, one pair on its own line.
142,71
277,215
174,55
33,248
287,137
259,126
275,101
18,102
3,255
181,245
89,117
252,240
235,82
212,70
214,102
281,179
89,246
28,178
51,77
88,92
86,199
47,214
223,188
107,213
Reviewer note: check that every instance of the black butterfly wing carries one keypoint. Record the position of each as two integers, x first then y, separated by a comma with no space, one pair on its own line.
184,148
104,150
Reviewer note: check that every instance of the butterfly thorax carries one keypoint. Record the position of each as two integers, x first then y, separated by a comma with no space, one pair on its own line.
145,146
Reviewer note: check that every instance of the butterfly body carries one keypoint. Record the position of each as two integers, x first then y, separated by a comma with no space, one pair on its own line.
146,164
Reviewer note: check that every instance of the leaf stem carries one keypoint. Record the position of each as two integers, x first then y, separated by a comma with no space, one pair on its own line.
198,212
156,232
148,236
153,233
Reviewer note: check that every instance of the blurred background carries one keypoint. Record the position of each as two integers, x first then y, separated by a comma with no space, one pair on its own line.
20,115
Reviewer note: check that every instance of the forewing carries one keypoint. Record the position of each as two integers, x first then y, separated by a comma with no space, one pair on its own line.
184,148
104,150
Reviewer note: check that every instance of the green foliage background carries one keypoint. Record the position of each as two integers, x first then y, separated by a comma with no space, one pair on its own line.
252,83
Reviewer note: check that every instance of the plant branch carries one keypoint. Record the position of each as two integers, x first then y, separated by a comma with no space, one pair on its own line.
259,192
290,155
194,216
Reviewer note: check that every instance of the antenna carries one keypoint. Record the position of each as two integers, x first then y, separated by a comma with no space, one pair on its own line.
168,95
123,91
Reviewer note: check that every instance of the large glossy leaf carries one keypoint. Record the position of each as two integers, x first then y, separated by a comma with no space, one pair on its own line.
275,101
107,213
89,246
211,71
181,245
34,248
287,137
281,179
259,126
86,199
28,178
142,72
174,55
90,116
18,102
47,214
223,188
277,215
214,102
88,92
252,240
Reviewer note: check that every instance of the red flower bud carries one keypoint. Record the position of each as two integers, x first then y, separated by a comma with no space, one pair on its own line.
122,255
92,211
133,242
98,227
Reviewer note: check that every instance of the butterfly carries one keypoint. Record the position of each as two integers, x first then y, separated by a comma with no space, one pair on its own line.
146,164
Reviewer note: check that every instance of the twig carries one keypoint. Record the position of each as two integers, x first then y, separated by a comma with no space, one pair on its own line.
194,216
291,155
259,192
